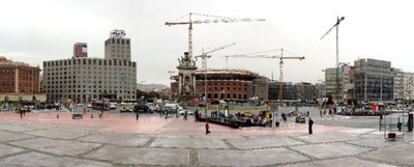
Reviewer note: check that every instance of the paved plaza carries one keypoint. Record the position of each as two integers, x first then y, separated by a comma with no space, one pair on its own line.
119,140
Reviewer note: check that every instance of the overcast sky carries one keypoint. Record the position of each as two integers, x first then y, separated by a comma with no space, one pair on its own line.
35,31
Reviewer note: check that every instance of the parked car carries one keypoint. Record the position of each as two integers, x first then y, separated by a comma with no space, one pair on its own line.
168,109
89,106
112,106
181,112
173,105
142,109
125,109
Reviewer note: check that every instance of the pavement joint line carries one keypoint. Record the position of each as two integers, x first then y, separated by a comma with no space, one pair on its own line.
368,133
149,142
300,153
230,145
381,161
82,136
58,155
22,139
14,154
360,145
300,140
193,157
94,149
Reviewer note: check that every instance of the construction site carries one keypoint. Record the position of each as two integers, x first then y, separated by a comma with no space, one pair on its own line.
217,84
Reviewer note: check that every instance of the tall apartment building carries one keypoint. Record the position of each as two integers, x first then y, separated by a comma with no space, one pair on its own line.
398,84
345,84
83,79
374,80
408,86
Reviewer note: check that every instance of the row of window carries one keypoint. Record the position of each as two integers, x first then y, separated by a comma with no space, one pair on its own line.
82,61
117,41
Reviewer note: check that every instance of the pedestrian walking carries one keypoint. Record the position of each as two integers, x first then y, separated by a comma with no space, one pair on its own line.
196,115
137,115
310,125
100,113
207,128
185,115
21,113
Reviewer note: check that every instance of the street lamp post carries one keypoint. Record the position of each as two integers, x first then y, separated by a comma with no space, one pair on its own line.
171,74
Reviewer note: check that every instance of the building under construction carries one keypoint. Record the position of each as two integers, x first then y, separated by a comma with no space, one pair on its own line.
227,84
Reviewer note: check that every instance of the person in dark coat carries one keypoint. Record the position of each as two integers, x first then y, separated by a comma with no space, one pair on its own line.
207,128
137,115
310,125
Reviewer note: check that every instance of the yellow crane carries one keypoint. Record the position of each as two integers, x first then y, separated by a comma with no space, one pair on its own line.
214,19
281,59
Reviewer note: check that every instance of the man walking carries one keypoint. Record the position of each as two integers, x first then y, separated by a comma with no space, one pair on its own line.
207,128
137,115
310,125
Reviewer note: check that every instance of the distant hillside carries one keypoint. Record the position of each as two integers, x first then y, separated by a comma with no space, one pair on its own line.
150,87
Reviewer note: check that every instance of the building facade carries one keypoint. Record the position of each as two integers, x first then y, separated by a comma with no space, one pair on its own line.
83,79
80,49
305,92
229,84
398,84
408,86
17,77
345,82
274,90
374,80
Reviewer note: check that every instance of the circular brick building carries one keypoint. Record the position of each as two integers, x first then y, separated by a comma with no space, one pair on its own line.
229,84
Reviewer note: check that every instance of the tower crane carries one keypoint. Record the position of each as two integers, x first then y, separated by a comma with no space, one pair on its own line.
281,59
214,19
205,55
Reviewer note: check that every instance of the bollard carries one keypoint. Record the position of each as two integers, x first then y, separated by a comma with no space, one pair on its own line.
57,116
91,116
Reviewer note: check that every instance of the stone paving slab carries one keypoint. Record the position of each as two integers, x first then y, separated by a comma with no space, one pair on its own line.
342,162
402,154
327,137
59,133
117,139
263,142
359,131
248,157
147,156
60,147
8,150
8,136
377,141
34,159
20,127
188,143
330,150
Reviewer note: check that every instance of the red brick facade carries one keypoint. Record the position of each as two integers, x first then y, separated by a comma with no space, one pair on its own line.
223,84
16,77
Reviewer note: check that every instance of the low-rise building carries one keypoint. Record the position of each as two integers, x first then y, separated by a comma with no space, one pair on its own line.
230,84
18,77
